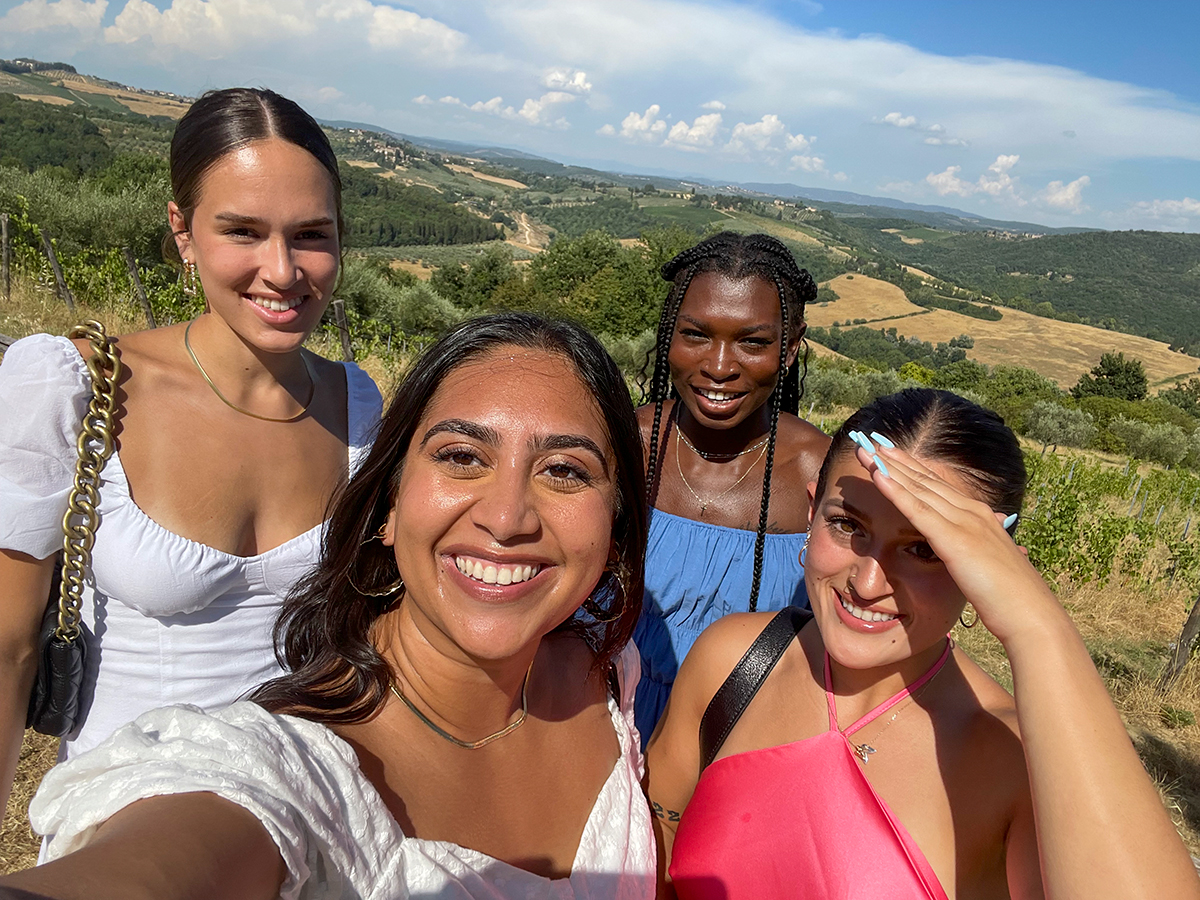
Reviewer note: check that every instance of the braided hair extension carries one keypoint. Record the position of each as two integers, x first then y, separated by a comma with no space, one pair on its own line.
735,256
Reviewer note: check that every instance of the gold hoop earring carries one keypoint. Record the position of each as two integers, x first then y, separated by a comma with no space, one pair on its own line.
975,617
592,608
377,536
394,588
190,279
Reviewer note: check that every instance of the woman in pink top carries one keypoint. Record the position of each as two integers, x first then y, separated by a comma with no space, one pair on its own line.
863,754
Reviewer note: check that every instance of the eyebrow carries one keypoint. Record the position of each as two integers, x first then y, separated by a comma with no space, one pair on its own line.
235,219
481,433
571,442
748,329
855,511
542,443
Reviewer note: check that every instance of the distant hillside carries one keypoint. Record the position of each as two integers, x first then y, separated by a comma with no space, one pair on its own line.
1144,282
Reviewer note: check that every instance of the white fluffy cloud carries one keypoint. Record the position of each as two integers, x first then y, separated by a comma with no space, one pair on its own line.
713,104
646,127
757,135
995,182
948,182
900,120
998,182
808,164
539,111
423,100
1185,208
701,133
574,81
542,111
1068,197
54,15
215,28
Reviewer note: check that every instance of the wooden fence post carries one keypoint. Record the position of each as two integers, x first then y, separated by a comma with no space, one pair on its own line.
339,316
64,292
1183,649
5,256
136,280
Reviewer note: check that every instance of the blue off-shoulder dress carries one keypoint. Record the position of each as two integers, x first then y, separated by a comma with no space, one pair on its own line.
695,574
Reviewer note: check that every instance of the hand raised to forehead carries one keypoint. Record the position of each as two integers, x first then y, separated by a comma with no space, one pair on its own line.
967,536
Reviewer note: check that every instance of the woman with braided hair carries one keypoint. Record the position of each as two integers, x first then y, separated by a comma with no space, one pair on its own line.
727,456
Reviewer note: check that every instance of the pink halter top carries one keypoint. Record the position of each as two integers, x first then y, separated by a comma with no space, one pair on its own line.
799,820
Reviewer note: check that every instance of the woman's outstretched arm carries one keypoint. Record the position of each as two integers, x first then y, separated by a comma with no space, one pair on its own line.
1101,830
178,847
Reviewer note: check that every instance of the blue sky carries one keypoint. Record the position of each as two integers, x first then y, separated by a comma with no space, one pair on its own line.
1063,113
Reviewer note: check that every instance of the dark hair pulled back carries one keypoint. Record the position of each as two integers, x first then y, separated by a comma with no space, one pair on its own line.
736,256
946,428
323,634
221,122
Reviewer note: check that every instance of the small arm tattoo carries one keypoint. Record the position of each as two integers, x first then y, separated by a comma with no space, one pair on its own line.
667,815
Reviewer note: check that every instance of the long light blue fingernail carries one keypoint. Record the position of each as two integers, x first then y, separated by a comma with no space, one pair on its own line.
882,468
861,439
1009,520
881,440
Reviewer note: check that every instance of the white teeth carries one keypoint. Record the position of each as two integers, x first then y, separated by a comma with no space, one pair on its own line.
865,615
717,396
275,305
494,574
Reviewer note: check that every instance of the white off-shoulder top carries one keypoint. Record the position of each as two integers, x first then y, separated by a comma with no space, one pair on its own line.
335,834
170,620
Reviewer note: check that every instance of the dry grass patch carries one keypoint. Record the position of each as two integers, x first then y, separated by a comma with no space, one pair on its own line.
860,297
18,843
422,271
1059,350
494,179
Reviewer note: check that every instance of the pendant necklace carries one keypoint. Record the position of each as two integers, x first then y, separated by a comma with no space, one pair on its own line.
704,504
483,741
312,389
864,750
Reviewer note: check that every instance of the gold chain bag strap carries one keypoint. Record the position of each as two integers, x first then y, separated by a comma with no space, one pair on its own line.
55,704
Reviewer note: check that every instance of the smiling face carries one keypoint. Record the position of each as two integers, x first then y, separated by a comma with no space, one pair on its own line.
724,353
880,595
502,521
264,240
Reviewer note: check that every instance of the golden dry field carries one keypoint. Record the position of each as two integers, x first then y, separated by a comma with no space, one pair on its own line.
1059,350
495,179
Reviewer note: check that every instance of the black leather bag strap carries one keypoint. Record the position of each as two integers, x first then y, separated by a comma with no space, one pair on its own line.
735,694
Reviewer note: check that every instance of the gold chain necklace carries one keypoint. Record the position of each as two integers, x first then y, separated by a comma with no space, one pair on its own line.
484,741
721,456
312,390
704,504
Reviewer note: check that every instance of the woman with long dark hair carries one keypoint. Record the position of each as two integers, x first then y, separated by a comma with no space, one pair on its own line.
230,437
457,716
727,455
854,751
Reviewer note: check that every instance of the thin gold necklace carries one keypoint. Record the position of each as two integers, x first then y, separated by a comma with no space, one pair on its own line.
704,504
703,454
312,382
482,742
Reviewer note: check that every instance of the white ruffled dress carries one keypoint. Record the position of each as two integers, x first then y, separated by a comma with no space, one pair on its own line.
171,620
337,838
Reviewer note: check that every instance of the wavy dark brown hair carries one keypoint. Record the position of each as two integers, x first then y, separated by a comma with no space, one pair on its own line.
335,675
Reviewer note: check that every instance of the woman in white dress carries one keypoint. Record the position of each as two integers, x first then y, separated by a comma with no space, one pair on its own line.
231,438
457,721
